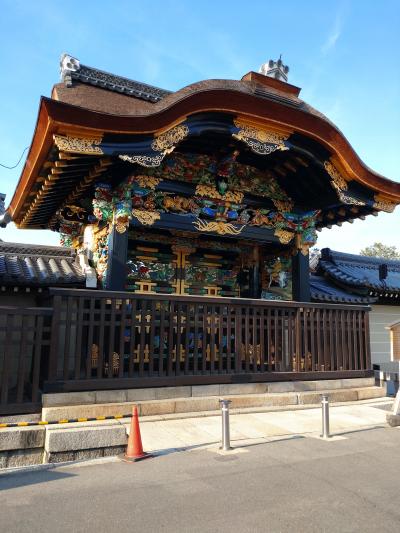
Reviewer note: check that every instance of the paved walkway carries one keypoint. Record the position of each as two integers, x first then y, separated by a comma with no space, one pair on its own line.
293,484
166,433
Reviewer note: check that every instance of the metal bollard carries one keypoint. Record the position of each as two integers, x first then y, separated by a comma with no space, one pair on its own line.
226,444
325,416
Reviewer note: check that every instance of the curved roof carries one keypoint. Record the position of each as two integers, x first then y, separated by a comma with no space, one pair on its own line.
94,109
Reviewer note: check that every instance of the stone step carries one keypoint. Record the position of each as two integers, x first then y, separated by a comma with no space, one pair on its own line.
210,403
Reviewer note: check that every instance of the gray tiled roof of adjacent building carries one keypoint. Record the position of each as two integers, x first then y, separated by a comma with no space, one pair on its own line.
41,266
360,272
323,290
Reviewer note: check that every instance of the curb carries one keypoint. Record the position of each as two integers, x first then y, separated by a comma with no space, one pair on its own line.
51,466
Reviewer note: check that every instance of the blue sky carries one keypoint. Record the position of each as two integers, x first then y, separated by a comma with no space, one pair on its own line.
345,55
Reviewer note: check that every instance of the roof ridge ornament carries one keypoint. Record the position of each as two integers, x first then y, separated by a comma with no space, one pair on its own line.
68,64
275,69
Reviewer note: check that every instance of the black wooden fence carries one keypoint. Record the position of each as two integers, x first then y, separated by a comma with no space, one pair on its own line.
24,349
111,340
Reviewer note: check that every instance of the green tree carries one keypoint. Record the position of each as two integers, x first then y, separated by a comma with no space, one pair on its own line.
379,249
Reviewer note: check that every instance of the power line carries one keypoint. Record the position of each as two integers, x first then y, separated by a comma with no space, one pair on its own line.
19,160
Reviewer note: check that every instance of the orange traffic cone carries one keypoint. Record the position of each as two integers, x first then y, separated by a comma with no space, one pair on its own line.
134,450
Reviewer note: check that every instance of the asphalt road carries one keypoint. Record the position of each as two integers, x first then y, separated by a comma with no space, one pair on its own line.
295,484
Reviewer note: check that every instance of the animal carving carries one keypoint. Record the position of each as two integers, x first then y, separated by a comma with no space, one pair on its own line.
179,204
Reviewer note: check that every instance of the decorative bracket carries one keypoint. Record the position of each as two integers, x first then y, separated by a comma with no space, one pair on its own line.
260,141
78,145
383,205
163,144
339,183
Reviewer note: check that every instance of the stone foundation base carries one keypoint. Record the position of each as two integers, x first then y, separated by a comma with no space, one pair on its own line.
393,420
79,455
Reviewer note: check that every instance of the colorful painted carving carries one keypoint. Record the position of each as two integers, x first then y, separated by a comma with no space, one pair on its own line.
66,240
100,254
277,279
206,275
139,270
212,211
227,172
69,231
103,202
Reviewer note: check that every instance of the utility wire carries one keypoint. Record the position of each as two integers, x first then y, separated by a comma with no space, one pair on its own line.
19,160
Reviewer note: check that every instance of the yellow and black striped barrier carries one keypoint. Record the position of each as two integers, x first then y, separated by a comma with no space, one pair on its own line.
63,421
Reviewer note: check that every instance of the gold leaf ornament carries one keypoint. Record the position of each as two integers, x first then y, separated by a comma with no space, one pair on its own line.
211,192
337,180
166,141
147,182
78,145
147,218
261,141
284,236
340,184
222,228
384,205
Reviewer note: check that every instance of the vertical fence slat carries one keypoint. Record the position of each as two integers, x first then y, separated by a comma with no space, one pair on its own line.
55,336
121,348
178,345
204,336
170,352
66,347
143,325
367,359
222,317
269,340
262,340
238,339
196,339
355,345
132,339
360,338
188,329
100,359
228,338
162,340
7,358
297,333
37,353
22,354
89,346
153,323
313,339
246,339
79,330
319,342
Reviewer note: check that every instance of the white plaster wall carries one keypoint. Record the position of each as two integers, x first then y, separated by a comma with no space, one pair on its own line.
380,317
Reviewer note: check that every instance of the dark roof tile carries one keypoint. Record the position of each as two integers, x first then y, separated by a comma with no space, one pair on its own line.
112,82
360,271
36,265
324,290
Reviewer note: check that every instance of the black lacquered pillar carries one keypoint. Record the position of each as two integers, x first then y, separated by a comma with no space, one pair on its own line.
117,257
301,277
254,275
